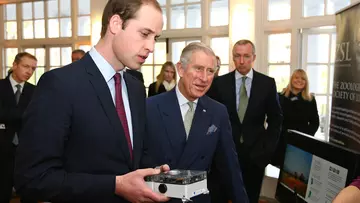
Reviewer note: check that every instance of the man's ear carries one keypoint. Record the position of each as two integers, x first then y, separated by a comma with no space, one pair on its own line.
115,24
180,69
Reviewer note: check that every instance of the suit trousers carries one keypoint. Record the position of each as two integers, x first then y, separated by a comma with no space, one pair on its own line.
253,177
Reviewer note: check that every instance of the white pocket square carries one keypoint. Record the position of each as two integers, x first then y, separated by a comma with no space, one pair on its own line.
211,129
2,126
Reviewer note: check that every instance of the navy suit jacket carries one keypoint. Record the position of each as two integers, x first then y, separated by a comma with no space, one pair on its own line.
73,145
258,143
166,141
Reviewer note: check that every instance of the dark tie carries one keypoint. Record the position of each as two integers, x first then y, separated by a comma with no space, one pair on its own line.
120,109
15,140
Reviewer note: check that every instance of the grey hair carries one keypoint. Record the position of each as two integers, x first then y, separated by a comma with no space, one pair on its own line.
187,52
244,42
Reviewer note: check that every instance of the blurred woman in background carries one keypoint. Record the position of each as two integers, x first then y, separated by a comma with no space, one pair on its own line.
299,111
165,81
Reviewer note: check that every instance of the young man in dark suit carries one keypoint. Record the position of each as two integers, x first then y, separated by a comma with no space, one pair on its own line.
15,95
188,130
83,132
251,100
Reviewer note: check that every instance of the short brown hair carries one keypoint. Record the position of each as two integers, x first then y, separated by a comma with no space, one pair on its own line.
21,55
244,42
126,9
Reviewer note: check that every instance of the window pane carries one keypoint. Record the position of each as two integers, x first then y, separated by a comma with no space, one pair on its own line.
28,30
84,7
39,71
221,48
191,1
335,5
176,49
164,18
53,30
177,1
318,48
279,9
30,51
160,52
281,74
157,71
318,78
39,29
321,106
10,30
65,25
84,26
162,2
219,13
40,55
38,9
27,11
147,72
55,56
53,8
333,48
279,48
32,79
65,8
313,8
223,69
10,12
86,48
65,55
150,59
193,19
177,17
10,54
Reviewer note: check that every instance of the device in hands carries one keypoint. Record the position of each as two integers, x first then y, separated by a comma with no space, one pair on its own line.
181,184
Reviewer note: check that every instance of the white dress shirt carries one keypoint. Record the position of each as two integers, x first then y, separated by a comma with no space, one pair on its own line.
238,81
14,83
183,102
108,73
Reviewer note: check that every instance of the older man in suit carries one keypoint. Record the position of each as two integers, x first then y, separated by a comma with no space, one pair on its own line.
188,130
15,95
250,98
83,132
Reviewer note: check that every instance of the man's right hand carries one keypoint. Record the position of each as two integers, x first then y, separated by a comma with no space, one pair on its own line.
133,188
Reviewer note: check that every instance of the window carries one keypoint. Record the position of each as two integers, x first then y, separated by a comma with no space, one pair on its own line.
60,56
185,14
153,63
33,23
10,25
220,46
279,9
279,59
319,44
39,53
9,54
219,12
59,18
323,7
84,25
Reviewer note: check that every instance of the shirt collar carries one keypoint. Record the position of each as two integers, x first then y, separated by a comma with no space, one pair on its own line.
181,98
105,68
238,75
14,83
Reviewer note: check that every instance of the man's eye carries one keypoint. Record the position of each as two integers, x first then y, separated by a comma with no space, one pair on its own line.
144,34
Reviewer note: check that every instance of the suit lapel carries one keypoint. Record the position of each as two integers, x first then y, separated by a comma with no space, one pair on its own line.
173,124
9,92
102,90
231,91
201,123
133,100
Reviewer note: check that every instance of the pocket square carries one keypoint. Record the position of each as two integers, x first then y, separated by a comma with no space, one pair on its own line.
211,129
2,126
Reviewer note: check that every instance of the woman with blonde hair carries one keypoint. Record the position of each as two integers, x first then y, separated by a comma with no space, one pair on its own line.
299,110
165,81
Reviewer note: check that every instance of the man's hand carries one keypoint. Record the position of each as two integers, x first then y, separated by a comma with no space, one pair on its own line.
133,188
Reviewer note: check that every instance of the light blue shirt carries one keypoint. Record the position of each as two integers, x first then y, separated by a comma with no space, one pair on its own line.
238,81
108,73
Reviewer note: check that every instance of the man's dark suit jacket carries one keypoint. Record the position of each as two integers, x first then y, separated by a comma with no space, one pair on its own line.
73,144
138,75
10,122
209,140
258,142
